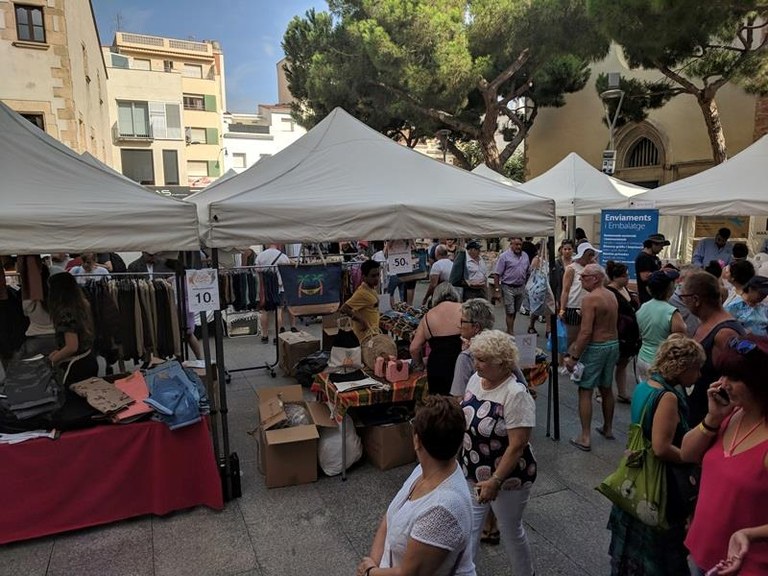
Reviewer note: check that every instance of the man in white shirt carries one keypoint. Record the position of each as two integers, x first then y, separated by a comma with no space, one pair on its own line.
477,273
440,271
270,259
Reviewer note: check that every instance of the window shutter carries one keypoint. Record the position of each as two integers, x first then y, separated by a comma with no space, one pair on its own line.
210,103
157,120
124,118
211,136
213,168
173,121
119,61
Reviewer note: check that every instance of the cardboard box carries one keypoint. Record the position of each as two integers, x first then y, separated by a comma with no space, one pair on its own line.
293,346
389,445
288,456
330,329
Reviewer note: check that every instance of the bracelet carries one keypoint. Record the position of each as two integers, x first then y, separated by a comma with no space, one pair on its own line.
496,479
712,429
706,430
368,571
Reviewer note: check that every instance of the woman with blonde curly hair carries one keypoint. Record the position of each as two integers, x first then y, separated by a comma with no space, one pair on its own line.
496,455
637,549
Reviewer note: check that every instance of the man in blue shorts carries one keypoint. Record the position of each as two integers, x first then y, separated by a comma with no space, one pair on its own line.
597,348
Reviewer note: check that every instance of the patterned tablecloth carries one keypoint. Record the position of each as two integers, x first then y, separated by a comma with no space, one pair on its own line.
415,388
538,374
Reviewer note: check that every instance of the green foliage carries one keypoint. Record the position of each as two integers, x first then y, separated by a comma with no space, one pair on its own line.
434,64
639,97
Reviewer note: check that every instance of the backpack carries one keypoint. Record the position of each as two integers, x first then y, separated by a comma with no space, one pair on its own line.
628,328
458,277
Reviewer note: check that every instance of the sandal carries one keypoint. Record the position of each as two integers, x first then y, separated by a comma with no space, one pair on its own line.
532,331
492,538
623,399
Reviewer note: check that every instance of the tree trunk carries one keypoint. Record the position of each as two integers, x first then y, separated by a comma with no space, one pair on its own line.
714,127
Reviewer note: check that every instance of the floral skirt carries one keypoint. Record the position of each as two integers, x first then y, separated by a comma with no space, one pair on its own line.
639,550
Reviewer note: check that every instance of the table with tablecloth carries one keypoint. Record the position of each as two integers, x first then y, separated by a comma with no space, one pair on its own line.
537,374
414,388
104,474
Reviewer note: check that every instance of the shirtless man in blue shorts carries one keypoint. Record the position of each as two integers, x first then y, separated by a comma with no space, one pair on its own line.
597,348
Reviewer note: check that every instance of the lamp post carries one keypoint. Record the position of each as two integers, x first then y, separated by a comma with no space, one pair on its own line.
614,92
443,135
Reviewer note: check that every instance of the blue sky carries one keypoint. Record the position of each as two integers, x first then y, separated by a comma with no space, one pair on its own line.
250,32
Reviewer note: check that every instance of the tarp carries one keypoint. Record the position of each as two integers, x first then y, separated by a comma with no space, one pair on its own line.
53,200
737,187
579,189
343,180
483,170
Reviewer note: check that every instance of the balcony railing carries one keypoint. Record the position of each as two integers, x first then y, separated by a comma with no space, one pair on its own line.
131,135
167,44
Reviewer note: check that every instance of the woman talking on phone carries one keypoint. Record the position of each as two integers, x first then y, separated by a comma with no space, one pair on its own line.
729,532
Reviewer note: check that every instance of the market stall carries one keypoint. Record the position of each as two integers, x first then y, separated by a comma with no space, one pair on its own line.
56,201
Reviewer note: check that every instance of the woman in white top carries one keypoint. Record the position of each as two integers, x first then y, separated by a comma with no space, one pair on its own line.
427,527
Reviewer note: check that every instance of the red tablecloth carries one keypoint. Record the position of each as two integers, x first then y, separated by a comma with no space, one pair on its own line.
414,388
104,474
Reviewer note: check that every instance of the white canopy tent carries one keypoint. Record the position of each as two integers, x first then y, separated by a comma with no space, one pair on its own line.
483,170
343,180
579,189
736,187
54,200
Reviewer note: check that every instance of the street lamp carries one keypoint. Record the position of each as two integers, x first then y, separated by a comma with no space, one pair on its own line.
443,135
612,93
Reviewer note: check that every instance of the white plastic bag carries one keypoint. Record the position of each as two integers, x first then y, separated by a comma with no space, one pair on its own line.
329,448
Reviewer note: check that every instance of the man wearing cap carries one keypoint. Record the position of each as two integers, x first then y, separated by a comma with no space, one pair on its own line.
440,271
717,248
648,262
597,348
477,273
573,292
509,278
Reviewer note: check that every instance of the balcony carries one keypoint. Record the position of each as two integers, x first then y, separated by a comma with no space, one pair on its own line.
159,44
134,135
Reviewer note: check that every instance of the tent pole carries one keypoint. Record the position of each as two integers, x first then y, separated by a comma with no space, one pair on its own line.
221,370
554,398
208,384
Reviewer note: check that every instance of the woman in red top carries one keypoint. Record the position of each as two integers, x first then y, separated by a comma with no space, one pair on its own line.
729,532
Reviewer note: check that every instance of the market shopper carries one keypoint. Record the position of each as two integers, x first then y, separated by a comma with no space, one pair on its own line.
73,324
596,348
750,308
363,305
563,260
477,273
438,273
440,327
730,525
510,276
269,260
717,248
573,292
496,456
628,329
89,269
40,335
637,548
647,262
691,322
427,527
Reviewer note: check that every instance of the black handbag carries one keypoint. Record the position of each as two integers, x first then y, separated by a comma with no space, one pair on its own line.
31,388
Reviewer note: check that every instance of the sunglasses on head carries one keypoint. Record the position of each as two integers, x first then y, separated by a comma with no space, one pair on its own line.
742,347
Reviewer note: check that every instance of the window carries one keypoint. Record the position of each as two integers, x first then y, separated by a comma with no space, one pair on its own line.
171,167
137,165
197,168
119,61
194,102
29,23
36,119
238,160
133,119
142,64
165,120
192,71
286,124
168,65
643,153
197,136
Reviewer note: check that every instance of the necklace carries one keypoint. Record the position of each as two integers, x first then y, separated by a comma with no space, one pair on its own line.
423,480
736,443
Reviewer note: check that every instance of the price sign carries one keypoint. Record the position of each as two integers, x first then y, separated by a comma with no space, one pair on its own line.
202,290
400,262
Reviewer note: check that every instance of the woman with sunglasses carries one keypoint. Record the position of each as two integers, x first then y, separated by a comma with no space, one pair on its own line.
729,532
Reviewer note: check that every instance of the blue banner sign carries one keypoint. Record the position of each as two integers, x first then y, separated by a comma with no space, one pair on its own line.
622,233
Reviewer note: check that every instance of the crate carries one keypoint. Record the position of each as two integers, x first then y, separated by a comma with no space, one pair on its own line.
237,324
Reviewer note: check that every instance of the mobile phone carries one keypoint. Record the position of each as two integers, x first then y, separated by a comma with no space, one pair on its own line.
722,396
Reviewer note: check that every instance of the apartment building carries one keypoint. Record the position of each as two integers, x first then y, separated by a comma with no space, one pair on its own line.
166,100
248,138
53,73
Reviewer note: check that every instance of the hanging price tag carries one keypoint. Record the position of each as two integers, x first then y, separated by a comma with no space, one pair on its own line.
399,262
202,290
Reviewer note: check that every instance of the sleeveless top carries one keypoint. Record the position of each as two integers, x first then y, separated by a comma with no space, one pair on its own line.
654,318
697,399
444,350
732,495
576,294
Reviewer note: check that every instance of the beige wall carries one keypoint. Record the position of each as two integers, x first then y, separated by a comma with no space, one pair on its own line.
50,78
578,127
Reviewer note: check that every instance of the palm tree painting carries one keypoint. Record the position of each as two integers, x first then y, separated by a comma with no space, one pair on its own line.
311,284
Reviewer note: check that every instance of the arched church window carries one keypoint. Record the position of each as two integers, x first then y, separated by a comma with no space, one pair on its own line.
643,153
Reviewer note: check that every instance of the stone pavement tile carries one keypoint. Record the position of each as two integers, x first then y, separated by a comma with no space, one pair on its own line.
124,549
574,526
239,439
242,401
202,541
30,558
